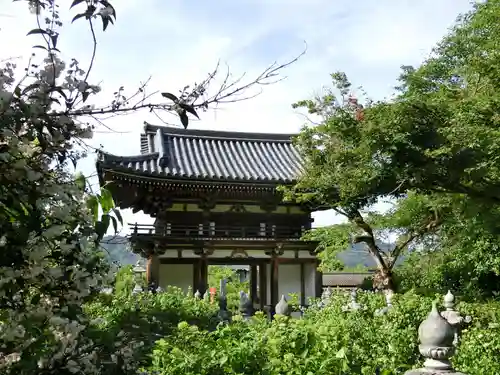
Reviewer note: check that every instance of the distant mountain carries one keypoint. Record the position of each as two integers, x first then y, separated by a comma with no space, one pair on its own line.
118,250
357,256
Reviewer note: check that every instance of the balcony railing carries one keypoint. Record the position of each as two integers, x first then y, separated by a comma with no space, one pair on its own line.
213,231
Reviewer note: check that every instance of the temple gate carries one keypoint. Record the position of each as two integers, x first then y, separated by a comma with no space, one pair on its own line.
214,199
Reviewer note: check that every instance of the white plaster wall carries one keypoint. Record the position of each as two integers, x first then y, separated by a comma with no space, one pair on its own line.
289,280
179,275
310,280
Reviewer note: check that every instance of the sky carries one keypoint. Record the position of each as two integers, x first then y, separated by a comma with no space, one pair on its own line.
177,43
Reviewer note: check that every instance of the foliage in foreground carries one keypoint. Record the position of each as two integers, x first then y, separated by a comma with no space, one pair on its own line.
327,341
51,221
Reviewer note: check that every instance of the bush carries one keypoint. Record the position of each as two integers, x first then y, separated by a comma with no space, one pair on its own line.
140,320
326,341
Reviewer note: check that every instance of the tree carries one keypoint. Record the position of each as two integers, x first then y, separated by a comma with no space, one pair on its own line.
434,144
51,222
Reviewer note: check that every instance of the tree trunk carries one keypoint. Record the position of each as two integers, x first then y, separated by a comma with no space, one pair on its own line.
383,279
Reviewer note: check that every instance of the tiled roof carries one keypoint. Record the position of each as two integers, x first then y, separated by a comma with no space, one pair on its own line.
210,155
344,279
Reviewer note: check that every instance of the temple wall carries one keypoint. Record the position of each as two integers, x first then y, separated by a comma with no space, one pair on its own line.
179,275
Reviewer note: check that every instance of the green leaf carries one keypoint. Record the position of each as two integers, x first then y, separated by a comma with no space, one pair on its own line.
190,109
184,118
115,223
54,39
40,47
170,96
76,2
78,16
85,95
93,205
38,31
80,181
101,226
118,215
341,354
106,201
105,22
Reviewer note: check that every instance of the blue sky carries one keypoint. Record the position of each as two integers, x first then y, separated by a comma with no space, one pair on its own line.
179,42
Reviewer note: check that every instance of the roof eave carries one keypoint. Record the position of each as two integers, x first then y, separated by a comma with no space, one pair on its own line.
103,168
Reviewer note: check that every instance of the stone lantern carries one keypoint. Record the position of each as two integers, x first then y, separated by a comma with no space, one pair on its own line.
436,337
139,272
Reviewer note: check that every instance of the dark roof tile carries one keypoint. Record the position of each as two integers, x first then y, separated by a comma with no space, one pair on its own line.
211,155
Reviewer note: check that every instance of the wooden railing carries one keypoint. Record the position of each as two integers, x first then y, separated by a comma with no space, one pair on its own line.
217,231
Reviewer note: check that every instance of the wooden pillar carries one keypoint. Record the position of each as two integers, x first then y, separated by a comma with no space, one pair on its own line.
274,280
302,284
263,284
319,281
253,283
201,275
153,271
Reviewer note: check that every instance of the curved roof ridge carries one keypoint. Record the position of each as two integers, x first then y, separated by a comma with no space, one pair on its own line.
106,156
220,134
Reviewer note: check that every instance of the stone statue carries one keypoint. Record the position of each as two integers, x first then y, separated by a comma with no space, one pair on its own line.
453,317
282,307
436,337
246,306
353,305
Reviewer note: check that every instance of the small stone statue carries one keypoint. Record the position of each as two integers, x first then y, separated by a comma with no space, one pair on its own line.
224,315
353,305
282,307
436,337
326,296
206,296
159,289
246,306
388,301
197,295
453,317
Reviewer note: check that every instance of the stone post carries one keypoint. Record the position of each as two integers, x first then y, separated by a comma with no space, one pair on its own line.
282,307
436,337
453,317
246,306
224,314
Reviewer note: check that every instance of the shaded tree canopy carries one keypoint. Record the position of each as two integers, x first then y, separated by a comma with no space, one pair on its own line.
433,149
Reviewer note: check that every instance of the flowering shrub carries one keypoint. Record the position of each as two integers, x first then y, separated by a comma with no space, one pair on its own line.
51,221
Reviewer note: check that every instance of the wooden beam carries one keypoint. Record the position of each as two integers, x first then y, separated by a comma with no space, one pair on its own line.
263,284
253,283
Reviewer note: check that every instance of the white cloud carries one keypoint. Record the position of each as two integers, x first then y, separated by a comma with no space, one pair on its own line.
179,42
